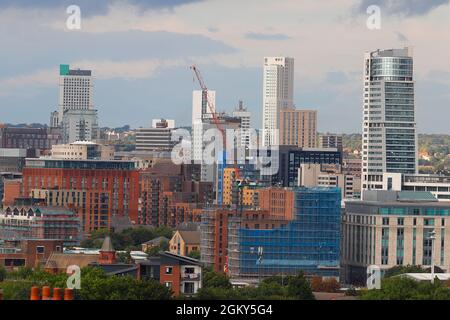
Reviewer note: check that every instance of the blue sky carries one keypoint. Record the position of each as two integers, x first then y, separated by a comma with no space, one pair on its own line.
140,52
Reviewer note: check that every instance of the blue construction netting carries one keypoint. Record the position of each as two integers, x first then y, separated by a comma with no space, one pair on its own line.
309,243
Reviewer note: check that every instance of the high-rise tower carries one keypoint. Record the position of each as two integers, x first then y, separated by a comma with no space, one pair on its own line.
77,115
278,93
389,123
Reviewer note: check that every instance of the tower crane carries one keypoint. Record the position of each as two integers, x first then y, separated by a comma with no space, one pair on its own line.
204,88
202,84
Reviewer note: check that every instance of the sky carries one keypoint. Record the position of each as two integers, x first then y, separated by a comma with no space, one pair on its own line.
140,52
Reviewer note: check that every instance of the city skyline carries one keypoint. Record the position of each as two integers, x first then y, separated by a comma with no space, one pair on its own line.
160,41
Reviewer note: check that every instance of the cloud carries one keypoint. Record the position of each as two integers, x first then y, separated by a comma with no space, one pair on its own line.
96,7
267,36
213,29
38,79
103,70
53,47
401,37
406,8
336,77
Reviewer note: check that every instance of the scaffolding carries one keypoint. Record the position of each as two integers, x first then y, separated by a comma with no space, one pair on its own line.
309,243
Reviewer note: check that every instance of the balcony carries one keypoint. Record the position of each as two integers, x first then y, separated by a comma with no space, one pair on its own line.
191,277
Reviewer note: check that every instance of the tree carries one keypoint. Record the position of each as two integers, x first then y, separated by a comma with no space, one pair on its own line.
397,270
194,254
96,285
128,239
154,251
2,273
402,288
213,279
124,257
299,288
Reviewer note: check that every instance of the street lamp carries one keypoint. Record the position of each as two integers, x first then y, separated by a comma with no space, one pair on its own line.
432,237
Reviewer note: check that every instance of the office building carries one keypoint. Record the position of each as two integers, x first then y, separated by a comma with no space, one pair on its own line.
278,94
330,141
76,90
209,171
310,242
438,185
393,228
298,128
310,175
54,119
82,150
291,158
156,138
39,139
79,125
13,160
202,102
242,113
389,122
76,115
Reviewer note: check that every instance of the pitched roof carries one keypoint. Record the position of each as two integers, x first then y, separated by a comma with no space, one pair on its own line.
157,240
180,258
64,260
107,245
190,237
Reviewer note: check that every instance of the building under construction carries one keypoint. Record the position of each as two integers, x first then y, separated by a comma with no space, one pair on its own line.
40,223
310,242
257,243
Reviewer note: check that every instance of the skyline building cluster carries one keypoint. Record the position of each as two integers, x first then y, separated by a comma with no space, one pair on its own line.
322,211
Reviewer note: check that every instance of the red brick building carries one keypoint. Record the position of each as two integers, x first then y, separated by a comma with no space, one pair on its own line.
168,197
183,275
96,190
215,232
28,253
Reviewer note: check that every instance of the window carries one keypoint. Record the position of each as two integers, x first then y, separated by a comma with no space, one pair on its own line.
189,270
168,284
189,287
40,250
169,270
15,262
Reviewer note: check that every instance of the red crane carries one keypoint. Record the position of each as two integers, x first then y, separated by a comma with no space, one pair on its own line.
202,84
208,102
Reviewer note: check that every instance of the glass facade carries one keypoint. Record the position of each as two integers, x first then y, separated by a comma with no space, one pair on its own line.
310,242
389,137
80,164
291,159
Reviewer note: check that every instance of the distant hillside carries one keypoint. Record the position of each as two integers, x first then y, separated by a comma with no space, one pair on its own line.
434,151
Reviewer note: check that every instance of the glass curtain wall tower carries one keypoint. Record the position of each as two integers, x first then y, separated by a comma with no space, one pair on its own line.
389,123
